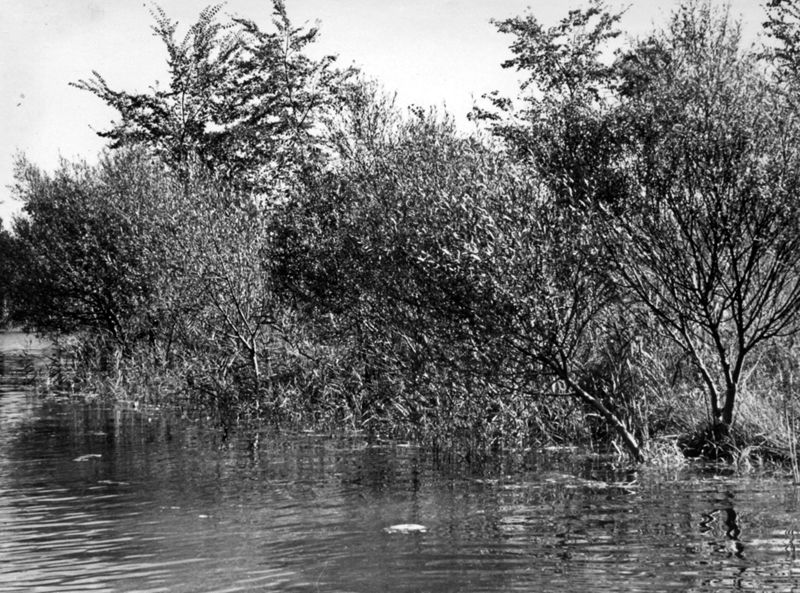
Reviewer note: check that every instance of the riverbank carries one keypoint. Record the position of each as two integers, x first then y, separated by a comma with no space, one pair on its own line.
102,496
318,396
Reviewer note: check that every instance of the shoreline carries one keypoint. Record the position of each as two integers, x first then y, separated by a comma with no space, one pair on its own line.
15,341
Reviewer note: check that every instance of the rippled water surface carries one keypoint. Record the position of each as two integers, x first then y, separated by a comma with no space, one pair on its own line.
96,497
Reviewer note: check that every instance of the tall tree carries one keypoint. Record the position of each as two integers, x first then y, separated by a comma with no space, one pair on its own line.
561,121
242,102
709,239
564,128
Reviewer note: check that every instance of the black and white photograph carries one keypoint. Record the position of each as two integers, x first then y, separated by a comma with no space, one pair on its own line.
399,296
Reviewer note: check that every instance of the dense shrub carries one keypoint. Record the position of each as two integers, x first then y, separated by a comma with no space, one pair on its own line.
617,259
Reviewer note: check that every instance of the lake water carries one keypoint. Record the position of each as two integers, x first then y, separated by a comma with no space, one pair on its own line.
98,497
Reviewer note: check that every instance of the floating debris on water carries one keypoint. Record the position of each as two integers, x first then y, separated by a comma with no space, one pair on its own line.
406,528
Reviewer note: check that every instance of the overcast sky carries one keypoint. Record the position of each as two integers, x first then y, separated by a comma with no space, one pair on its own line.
432,52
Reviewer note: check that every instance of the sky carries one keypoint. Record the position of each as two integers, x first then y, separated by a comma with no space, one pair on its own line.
442,53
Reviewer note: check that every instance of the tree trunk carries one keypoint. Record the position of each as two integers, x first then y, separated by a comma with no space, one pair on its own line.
256,370
726,417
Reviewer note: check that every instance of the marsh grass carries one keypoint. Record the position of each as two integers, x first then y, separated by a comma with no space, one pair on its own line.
338,388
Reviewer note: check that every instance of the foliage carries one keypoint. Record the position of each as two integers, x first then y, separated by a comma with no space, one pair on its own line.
468,262
685,151
241,102
230,258
239,125
709,241
273,236
561,123
90,262
146,266
783,26
9,269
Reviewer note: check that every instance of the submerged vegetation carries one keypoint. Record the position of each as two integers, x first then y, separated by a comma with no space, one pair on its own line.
614,258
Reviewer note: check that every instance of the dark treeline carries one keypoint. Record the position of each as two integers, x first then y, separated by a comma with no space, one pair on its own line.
613,258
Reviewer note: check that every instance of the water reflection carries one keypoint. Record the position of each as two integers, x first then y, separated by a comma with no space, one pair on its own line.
107,498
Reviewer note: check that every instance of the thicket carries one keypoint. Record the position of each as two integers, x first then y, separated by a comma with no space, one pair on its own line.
615,257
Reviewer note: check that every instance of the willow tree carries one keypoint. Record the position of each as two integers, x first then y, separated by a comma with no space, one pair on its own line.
241,102
562,123
709,240
9,266
783,27
682,155
91,248
240,125
562,131
468,264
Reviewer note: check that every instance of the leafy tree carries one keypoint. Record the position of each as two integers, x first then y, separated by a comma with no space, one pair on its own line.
783,26
9,270
565,127
685,151
367,123
469,263
709,240
87,245
562,123
524,279
241,102
230,258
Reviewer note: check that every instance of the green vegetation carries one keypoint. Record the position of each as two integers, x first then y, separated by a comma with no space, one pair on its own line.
614,259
